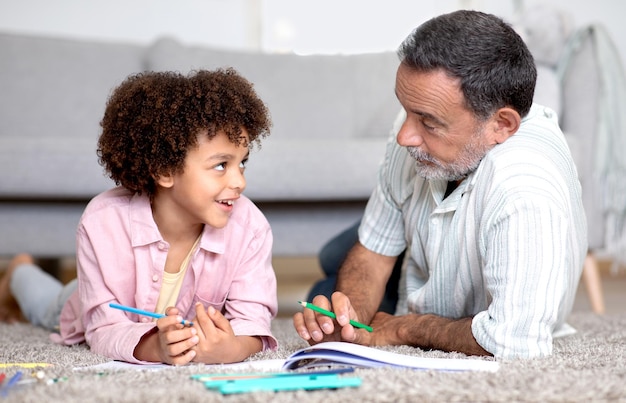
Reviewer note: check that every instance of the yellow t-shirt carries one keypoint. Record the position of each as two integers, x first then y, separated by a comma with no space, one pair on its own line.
170,288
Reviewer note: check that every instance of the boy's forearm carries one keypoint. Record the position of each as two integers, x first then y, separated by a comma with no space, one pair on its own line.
248,345
235,350
148,347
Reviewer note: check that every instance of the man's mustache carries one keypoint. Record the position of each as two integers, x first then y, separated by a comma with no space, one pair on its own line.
420,155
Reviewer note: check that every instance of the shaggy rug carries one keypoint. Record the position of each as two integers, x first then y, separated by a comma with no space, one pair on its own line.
587,366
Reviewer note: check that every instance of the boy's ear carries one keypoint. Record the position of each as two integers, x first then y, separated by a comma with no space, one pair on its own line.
504,123
166,181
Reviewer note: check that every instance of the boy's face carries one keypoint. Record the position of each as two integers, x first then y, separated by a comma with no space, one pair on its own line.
210,184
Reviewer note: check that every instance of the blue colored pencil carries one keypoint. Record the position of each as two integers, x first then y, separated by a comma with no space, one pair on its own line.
144,313
12,382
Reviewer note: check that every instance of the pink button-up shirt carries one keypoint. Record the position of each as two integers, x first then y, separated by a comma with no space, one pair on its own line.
121,258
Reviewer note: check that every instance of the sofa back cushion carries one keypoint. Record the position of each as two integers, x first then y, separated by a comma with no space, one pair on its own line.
54,92
313,96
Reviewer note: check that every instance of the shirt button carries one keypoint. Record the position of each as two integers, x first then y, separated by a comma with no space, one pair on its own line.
161,246
144,320
155,278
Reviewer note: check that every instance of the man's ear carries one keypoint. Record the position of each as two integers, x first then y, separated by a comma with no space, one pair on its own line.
504,123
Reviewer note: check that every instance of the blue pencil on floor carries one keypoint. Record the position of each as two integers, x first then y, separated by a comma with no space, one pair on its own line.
10,383
145,313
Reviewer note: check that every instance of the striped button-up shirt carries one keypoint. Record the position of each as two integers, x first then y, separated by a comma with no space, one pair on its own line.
506,247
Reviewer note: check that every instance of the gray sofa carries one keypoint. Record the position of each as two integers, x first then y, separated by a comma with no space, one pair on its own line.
312,176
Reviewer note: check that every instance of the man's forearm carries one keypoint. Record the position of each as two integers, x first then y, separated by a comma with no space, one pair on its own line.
363,278
436,332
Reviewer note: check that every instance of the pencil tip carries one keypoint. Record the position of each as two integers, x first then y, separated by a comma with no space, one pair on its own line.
302,303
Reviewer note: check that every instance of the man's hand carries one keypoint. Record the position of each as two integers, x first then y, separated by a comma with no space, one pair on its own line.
361,283
315,327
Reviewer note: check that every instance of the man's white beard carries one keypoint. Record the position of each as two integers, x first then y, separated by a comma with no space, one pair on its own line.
430,168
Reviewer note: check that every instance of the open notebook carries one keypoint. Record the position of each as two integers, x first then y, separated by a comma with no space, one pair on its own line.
348,354
334,354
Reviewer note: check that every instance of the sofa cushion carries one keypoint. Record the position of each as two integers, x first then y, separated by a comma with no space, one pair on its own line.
63,168
53,96
315,96
314,169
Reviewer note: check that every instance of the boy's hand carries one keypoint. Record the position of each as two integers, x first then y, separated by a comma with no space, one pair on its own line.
217,341
176,342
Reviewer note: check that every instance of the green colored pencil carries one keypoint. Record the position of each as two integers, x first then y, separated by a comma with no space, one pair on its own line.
332,315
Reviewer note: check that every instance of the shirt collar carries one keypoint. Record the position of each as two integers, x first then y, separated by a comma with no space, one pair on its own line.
143,229
450,203
213,239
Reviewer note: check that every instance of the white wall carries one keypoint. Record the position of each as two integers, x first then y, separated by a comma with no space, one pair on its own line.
352,26
304,26
212,22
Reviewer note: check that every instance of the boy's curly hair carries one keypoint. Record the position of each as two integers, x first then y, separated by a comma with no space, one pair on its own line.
153,118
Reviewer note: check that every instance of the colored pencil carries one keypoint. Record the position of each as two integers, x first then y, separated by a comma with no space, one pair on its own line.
144,313
332,315
12,382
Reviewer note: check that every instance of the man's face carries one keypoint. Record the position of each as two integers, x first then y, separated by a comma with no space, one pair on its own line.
443,136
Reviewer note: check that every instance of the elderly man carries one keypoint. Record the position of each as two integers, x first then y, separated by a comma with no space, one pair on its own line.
480,189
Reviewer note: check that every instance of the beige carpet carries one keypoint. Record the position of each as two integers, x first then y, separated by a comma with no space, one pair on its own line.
589,366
